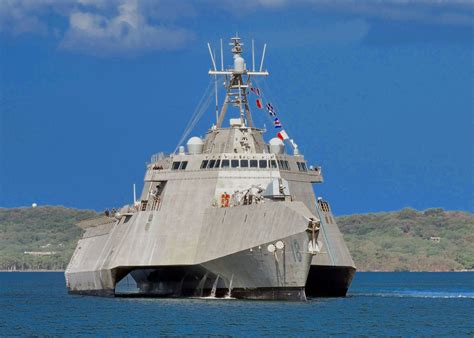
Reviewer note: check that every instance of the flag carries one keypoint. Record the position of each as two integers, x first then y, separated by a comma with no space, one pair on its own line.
282,135
255,90
259,103
270,107
272,113
277,123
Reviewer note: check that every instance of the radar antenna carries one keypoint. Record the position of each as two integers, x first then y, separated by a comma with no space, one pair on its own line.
237,81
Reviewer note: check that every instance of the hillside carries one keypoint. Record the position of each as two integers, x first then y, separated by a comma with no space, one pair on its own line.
379,241
400,241
43,229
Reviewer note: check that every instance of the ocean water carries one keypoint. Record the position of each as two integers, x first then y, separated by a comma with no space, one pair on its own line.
377,304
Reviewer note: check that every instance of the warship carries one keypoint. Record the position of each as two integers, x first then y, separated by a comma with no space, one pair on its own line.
229,215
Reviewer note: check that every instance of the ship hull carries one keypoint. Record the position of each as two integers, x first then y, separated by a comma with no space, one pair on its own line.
256,252
333,269
254,273
329,281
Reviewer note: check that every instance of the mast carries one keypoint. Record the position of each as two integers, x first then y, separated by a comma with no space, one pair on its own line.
237,81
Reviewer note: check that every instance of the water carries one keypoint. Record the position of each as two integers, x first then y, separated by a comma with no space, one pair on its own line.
378,304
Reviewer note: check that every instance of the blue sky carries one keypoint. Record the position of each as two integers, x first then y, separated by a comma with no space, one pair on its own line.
380,94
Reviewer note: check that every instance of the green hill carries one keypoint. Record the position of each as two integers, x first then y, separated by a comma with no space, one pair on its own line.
379,241
42,229
400,241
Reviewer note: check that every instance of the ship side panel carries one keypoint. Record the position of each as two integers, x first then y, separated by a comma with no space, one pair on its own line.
167,236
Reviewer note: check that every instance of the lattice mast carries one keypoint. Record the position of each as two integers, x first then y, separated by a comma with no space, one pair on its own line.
237,81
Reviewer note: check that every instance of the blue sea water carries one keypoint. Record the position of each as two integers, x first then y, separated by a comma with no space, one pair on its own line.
395,303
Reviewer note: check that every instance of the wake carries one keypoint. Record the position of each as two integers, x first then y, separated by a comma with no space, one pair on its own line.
416,294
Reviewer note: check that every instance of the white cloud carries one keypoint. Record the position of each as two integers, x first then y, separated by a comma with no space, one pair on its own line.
129,32
124,27
99,27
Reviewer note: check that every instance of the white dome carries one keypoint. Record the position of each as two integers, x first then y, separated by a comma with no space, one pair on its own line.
239,64
195,140
276,141
195,145
276,146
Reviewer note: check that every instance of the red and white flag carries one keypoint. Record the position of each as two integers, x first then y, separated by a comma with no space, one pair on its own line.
282,135
259,103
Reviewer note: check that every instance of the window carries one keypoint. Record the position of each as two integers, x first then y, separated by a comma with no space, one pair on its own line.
175,165
253,164
244,163
234,163
218,164
204,164
212,163
283,165
299,166
303,166
225,164
262,163
273,164
184,164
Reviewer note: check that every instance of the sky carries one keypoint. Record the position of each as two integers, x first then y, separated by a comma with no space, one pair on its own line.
380,94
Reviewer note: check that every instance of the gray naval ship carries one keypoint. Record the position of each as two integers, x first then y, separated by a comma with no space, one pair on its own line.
227,215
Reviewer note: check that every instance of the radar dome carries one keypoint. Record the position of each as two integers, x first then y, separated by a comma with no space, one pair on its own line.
195,145
239,64
276,146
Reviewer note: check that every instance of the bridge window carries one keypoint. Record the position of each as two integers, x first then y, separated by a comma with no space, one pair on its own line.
273,164
283,165
204,164
225,164
183,166
218,164
253,164
234,163
244,163
262,163
302,166
175,165
212,163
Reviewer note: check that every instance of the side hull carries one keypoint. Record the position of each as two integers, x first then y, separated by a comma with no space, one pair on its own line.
329,281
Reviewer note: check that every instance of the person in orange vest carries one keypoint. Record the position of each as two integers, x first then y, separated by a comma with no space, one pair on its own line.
223,196
227,200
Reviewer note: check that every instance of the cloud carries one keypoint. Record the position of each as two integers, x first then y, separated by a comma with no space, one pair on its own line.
453,12
324,33
17,17
100,27
132,27
438,12
129,32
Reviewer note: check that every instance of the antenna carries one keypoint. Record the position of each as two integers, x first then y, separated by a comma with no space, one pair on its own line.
215,87
134,194
263,56
212,57
253,56
222,57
